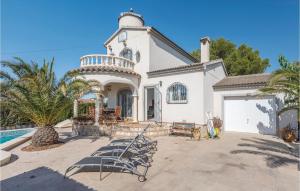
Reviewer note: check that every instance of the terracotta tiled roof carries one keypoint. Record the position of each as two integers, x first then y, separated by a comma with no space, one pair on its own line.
185,68
244,81
99,69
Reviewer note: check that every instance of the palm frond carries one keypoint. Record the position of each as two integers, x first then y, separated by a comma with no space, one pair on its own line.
34,94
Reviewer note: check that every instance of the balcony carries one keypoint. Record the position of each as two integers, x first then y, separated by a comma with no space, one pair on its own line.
99,60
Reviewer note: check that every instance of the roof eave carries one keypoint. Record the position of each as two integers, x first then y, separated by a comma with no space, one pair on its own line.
186,68
158,34
119,30
240,86
92,70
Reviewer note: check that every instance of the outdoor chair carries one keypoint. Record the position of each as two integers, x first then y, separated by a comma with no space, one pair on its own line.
117,113
141,140
143,157
122,158
118,163
141,145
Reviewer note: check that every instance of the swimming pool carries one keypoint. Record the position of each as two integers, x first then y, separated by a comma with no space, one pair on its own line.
8,135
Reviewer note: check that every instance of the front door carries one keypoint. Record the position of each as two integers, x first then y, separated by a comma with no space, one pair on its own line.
153,104
125,101
150,103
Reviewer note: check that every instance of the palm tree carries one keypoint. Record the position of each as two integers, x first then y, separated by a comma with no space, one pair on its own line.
286,81
32,92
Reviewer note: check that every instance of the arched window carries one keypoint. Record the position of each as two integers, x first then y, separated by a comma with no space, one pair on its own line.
126,53
177,93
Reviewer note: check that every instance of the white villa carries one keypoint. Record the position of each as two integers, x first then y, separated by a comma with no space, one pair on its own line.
153,79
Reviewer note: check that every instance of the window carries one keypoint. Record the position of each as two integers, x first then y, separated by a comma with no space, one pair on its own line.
177,93
138,56
126,53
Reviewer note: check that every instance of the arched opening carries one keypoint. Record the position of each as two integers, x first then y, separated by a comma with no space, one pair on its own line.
126,53
177,93
115,100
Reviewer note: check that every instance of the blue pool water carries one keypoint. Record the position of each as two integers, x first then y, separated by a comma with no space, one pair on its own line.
12,134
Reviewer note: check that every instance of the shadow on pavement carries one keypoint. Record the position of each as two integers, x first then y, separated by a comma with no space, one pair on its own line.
276,154
44,179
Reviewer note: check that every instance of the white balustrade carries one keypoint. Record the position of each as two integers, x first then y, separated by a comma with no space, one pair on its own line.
106,60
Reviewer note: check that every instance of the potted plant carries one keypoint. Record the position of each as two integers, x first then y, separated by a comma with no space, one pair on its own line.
288,134
217,125
196,133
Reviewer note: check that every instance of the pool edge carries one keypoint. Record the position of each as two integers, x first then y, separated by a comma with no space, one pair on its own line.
4,157
17,141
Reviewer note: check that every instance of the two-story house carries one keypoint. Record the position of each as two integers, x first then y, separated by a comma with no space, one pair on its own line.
154,79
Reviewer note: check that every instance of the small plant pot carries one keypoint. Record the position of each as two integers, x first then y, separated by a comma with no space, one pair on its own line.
289,137
196,134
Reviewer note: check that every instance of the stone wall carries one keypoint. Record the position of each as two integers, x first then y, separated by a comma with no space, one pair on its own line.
85,129
125,130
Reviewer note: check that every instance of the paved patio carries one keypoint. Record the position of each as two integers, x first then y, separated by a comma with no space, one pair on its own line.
235,162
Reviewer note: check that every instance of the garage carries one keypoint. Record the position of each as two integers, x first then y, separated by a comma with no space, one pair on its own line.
250,114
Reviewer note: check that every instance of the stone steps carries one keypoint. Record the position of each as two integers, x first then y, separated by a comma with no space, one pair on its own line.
119,131
132,131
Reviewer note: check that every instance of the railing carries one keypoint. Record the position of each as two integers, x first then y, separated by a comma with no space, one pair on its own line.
106,60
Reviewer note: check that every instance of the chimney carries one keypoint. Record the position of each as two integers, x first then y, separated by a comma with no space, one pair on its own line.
205,42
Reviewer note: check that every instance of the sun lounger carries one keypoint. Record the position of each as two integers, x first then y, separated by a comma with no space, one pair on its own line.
111,164
141,141
138,149
126,158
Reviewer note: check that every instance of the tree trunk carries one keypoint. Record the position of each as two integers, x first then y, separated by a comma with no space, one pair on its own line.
44,136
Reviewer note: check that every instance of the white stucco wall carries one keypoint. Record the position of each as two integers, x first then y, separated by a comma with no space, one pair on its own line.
190,112
283,120
163,56
137,40
113,93
288,117
131,21
107,78
155,54
212,74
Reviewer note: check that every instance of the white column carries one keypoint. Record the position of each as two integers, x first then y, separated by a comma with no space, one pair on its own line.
135,108
75,108
97,108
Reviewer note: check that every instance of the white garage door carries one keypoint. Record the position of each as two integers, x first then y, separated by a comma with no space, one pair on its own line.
250,114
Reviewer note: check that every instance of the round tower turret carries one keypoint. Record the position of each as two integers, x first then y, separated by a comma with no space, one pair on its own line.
130,19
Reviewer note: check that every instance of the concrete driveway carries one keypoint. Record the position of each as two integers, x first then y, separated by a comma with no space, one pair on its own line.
236,161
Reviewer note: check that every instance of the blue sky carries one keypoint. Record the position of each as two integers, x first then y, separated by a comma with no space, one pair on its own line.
69,29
